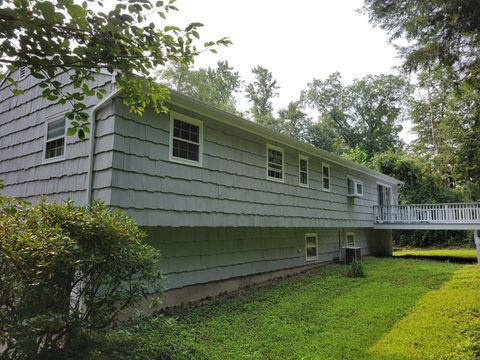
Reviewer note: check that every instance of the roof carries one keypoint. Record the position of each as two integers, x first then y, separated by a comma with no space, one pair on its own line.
202,108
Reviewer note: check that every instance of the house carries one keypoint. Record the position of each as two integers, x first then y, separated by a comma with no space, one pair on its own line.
227,201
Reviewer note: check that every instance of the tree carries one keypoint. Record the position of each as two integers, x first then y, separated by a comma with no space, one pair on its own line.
66,271
366,114
215,86
439,32
294,121
444,48
446,118
260,94
51,37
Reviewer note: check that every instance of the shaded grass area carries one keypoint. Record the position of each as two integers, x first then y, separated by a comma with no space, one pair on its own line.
403,309
454,255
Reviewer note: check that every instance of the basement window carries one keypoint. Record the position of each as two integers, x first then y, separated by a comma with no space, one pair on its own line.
274,163
55,139
311,247
303,170
186,139
350,239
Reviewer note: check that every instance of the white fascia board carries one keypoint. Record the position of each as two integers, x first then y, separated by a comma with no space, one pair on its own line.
201,108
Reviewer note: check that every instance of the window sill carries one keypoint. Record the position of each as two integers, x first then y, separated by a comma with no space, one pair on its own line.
53,160
185,162
275,180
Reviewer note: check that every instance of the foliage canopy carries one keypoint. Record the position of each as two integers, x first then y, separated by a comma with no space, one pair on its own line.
52,37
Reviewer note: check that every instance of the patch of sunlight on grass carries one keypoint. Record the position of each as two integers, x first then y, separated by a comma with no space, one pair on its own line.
443,253
439,325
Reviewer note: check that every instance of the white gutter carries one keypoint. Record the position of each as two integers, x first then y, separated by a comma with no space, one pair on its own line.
91,153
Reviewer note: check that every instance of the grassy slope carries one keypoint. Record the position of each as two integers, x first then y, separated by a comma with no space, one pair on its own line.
453,253
404,309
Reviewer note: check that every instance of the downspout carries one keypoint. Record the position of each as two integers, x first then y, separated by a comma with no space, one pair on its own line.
91,153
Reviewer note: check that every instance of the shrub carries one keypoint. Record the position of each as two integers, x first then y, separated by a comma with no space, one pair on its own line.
356,269
66,270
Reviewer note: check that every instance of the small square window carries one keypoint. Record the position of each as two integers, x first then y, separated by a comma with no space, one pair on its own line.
303,170
186,140
274,163
325,177
311,247
55,139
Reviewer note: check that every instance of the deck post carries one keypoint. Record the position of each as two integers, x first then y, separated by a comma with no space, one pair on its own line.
476,235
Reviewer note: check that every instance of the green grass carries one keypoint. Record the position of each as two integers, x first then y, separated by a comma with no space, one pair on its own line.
402,309
438,253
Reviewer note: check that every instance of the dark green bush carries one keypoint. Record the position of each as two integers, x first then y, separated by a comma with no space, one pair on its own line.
356,269
67,270
429,238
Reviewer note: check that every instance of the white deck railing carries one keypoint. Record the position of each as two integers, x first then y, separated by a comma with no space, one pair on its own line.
454,213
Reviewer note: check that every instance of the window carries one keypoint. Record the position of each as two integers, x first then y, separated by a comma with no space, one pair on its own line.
186,139
325,177
311,247
349,239
274,163
22,73
384,195
303,170
354,187
55,139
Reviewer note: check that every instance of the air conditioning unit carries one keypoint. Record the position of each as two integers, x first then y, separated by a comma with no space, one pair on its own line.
354,187
352,253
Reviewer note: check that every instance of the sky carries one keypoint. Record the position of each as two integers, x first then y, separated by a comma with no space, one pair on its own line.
297,41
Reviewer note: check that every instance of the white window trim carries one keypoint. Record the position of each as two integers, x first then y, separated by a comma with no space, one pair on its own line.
276,148
347,234
311,258
329,177
190,120
355,182
303,157
48,120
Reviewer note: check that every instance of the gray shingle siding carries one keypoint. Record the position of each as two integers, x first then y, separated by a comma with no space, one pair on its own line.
231,188
202,254
22,132
218,221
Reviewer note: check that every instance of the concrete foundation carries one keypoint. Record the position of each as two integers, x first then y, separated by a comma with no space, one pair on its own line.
380,242
199,292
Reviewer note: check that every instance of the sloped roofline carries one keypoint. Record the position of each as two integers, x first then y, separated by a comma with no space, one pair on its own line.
179,99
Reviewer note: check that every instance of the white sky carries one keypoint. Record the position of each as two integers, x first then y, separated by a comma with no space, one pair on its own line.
297,41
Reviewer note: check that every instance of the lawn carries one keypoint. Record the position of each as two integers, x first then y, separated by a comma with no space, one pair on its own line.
403,309
461,255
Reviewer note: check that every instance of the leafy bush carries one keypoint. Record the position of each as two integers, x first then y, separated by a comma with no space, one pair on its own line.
66,270
356,269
